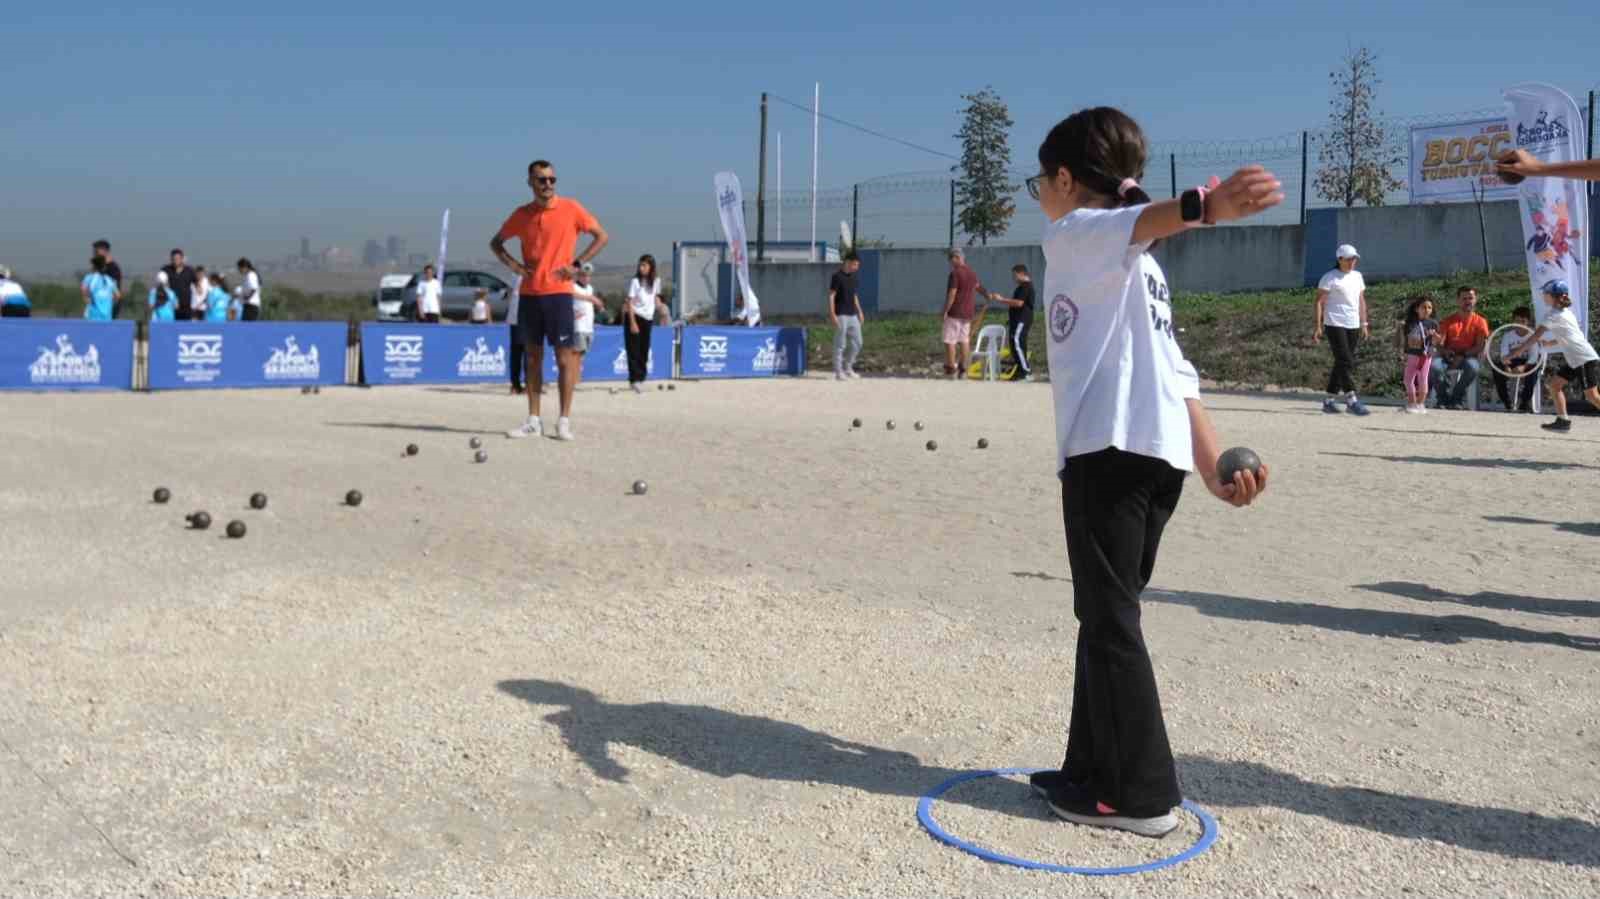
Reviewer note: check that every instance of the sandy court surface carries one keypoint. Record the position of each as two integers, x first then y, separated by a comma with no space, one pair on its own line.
515,678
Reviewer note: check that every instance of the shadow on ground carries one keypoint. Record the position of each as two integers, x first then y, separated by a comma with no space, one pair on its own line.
1039,576
1448,629
1486,599
1518,464
1583,528
403,426
1508,438
727,744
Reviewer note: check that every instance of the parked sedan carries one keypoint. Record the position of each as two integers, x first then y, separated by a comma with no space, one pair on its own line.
460,291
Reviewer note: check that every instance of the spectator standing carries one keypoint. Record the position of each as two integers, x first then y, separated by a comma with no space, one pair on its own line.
219,306
181,278
518,350
428,293
163,301
639,314
585,303
480,308
199,293
959,307
102,248
1342,316
1019,321
1465,335
844,310
13,299
100,293
1419,334
248,291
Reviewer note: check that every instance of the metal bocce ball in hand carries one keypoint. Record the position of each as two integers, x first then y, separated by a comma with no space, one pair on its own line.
1235,460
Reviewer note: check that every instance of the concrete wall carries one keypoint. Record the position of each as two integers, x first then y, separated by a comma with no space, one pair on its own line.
1396,242
1415,241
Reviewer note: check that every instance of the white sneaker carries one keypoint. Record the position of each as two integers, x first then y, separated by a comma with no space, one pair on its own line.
636,388
838,376
563,429
533,427
851,374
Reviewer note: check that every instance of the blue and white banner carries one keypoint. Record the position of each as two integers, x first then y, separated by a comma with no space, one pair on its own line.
607,359
434,354
1555,211
730,206
245,354
65,354
743,352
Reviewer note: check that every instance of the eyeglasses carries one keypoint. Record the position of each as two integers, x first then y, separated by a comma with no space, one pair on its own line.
1033,185
544,179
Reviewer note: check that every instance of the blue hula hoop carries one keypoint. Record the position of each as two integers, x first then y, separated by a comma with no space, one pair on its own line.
1208,833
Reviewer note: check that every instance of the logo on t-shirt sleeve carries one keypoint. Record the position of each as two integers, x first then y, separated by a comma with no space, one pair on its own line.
1063,317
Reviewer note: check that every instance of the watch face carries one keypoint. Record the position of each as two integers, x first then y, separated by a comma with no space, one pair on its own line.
1190,206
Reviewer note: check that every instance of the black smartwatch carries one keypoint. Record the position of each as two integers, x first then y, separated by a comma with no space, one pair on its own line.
1192,205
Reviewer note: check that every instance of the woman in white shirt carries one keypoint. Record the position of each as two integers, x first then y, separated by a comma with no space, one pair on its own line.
1129,426
428,290
638,317
248,292
199,292
1342,315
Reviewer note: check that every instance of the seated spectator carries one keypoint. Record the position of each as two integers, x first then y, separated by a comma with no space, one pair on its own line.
1465,336
13,300
1522,366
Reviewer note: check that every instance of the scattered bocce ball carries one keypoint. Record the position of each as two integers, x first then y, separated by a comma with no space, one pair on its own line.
480,456
199,520
889,424
933,445
855,422
258,500
918,425
317,389
639,488
983,443
162,494
412,449
672,387
236,529
1235,460
661,387
305,391
475,443
353,498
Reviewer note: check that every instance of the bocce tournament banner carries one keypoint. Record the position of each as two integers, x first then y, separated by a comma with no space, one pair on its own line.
197,355
1449,161
65,354
1555,211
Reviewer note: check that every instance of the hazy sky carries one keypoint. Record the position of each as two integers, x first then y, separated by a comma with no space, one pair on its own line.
156,126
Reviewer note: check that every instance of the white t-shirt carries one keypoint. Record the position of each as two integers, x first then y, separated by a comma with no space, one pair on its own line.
511,301
252,289
1343,308
1514,338
480,310
1563,335
428,296
198,294
1117,374
582,309
642,299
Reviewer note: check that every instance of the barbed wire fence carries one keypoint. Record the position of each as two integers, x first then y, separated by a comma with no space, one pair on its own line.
917,209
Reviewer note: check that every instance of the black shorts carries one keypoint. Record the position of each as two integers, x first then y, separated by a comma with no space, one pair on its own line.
547,318
1585,376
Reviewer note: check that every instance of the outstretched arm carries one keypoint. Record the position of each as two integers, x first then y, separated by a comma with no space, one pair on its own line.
1249,191
1521,162
1245,486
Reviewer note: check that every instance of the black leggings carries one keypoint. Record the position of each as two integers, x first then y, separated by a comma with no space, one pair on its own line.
638,346
1115,506
1343,342
519,354
1530,383
249,313
15,310
1019,350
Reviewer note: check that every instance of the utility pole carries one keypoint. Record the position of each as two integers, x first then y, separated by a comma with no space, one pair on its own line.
761,189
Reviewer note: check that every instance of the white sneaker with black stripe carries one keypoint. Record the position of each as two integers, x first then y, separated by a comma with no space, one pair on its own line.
533,427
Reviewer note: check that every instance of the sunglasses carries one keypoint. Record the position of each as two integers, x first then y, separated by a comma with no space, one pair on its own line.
544,179
1033,185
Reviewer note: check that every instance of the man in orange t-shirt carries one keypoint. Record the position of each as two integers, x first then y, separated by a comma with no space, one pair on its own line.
548,229
1465,335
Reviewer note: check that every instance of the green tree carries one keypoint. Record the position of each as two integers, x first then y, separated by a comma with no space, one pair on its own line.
1357,159
983,194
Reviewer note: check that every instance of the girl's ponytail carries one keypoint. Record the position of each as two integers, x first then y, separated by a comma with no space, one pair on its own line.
1105,151
1131,193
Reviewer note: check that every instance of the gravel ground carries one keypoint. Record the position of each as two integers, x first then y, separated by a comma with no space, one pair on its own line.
516,678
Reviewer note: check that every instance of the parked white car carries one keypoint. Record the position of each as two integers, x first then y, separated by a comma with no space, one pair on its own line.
391,296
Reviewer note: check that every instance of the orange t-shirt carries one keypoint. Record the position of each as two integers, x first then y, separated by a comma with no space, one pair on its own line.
1462,332
549,236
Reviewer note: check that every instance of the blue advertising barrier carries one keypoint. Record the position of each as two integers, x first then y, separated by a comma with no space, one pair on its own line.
743,352
245,354
434,354
65,354
607,359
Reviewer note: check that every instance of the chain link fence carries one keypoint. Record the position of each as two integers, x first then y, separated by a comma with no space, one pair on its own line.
917,209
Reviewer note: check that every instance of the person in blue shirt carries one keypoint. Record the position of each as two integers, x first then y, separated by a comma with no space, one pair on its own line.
13,300
217,300
100,292
163,301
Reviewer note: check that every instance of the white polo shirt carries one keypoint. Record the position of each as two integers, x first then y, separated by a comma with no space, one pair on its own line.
1343,307
1117,374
